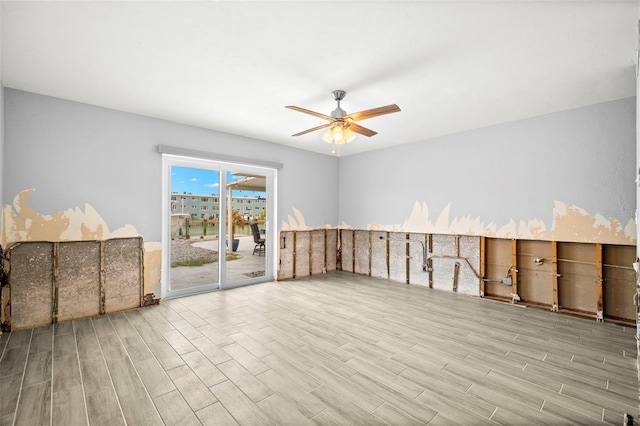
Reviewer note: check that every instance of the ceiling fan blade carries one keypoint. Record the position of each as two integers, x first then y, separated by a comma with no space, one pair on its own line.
313,130
308,111
374,112
362,130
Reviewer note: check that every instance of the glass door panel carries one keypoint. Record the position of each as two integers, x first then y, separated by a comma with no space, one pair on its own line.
246,218
194,221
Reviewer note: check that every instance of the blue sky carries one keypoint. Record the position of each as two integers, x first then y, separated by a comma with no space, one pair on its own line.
201,182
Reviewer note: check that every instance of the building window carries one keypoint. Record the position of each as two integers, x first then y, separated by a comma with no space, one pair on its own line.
204,208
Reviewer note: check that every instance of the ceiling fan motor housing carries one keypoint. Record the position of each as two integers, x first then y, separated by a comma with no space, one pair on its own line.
338,113
338,95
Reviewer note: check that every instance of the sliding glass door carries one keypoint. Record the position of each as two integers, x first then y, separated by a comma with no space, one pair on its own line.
217,225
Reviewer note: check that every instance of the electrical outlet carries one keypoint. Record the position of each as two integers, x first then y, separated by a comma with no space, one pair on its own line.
507,281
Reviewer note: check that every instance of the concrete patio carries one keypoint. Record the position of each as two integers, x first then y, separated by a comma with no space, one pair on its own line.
247,266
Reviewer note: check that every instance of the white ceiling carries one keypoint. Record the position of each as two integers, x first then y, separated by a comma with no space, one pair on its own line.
233,66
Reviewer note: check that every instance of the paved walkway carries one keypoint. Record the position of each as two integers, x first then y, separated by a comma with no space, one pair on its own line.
247,266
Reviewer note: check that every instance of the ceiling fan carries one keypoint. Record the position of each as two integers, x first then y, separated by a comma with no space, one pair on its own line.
342,125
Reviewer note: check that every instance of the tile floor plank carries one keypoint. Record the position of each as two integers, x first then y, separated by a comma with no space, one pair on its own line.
239,405
154,377
69,407
304,402
191,387
14,360
245,381
38,369
349,411
34,406
211,350
204,369
103,408
66,372
174,410
42,341
215,415
9,389
245,358
283,413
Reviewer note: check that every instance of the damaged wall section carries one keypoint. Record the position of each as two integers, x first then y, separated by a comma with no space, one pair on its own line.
50,282
584,278
304,253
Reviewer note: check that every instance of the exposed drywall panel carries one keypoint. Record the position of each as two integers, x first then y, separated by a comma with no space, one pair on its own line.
498,258
31,281
418,248
78,279
318,252
362,252
468,279
303,245
122,274
379,255
444,270
577,285
332,248
577,157
398,256
619,285
285,252
535,283
347,237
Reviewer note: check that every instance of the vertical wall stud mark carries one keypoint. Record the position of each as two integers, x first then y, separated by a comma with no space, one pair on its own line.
310,250
55,277
599,281
102,283
141,277
324,267
514,271
554,275
456,271
388,250
353,249
370,253
408,257
295,250
482,264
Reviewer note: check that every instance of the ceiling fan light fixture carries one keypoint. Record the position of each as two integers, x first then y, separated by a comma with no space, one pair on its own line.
348,135
328,136
338,135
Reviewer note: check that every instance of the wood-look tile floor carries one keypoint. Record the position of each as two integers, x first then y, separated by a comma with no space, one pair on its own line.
333,349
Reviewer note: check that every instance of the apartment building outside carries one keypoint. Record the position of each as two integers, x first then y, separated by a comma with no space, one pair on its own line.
201,206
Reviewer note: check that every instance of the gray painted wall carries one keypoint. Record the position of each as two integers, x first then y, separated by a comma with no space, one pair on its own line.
2,165
583,157
74,153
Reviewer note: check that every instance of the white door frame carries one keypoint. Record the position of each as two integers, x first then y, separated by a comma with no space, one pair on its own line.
222,167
